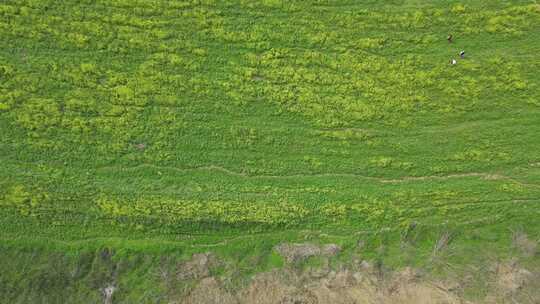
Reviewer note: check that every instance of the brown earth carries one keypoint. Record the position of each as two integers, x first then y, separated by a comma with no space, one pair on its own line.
341,287
292,252
358,283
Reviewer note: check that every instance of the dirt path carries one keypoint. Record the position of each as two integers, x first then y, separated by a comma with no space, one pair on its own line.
405,179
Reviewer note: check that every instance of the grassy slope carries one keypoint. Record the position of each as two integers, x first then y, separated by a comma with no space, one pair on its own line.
264,122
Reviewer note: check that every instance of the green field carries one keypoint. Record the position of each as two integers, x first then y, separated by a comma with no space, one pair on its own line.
171,127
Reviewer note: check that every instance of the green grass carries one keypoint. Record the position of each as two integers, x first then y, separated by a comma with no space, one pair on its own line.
172,126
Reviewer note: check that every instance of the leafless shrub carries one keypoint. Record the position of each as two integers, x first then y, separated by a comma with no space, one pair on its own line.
442,243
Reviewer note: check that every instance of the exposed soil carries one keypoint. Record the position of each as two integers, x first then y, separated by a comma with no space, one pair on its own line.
297,252
342,287
361,283
209,290
196,268
522,242
511,278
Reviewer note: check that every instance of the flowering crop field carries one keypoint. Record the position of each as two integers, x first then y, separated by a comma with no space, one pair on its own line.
154,125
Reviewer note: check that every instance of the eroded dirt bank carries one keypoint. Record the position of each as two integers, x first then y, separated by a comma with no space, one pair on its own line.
360,282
